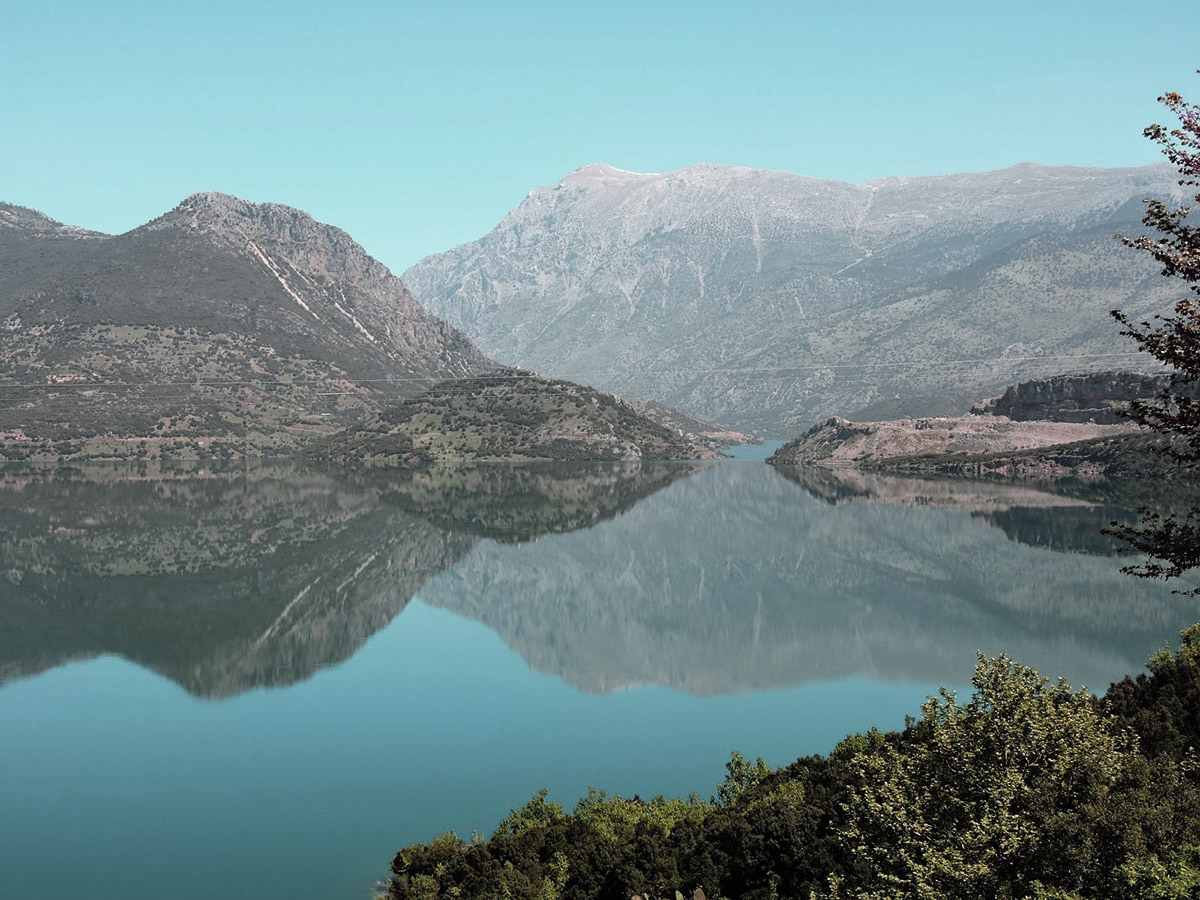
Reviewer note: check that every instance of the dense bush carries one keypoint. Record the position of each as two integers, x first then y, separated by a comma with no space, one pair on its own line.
1028,790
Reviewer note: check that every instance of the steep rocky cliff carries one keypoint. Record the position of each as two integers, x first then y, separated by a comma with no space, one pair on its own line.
1100,398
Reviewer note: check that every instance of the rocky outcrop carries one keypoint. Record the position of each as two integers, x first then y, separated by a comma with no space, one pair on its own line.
960,439
35,222
1100,398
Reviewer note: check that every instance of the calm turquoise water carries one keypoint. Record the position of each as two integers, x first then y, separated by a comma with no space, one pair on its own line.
307,791
754,452
261,710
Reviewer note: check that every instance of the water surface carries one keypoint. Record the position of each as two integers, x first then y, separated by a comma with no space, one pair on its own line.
262,682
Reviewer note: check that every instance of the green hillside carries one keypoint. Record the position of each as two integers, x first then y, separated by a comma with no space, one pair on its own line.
511,416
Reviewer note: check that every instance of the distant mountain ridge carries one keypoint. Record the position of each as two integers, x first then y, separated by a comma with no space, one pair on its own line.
766,300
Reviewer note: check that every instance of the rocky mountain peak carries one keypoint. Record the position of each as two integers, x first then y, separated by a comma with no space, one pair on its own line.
224,213
277,230
12,216
602,170
290,320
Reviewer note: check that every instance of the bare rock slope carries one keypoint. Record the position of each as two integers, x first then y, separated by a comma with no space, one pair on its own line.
768,301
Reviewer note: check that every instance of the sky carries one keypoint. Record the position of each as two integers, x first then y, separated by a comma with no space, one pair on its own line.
417,126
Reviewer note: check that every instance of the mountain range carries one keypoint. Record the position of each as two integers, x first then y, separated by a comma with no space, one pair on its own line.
767,300
226,328
761,300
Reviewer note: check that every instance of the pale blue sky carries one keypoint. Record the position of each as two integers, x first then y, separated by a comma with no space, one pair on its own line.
417,126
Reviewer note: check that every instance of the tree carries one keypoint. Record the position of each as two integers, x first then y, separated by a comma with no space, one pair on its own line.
1163,708
1173,544
992,797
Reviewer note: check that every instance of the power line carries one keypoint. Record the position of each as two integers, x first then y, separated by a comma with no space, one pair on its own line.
929,366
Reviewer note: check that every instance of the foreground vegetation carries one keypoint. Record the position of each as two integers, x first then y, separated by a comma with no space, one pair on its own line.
1028,791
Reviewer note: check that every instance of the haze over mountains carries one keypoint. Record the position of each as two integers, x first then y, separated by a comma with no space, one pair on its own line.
766,300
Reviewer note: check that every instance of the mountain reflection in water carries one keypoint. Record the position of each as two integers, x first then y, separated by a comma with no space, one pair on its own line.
230,580
736,579
705,578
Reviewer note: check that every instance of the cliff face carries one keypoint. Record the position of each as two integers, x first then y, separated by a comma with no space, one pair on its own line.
1099,398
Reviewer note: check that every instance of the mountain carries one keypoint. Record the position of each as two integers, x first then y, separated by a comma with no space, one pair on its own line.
766,300
223,326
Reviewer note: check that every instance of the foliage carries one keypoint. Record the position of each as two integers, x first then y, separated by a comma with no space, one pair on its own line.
1176,878
740,777
1164,707
1172,545
537,813
514,415
976,804
1028,791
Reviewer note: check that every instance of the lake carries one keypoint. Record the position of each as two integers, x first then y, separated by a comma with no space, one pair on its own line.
262,681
